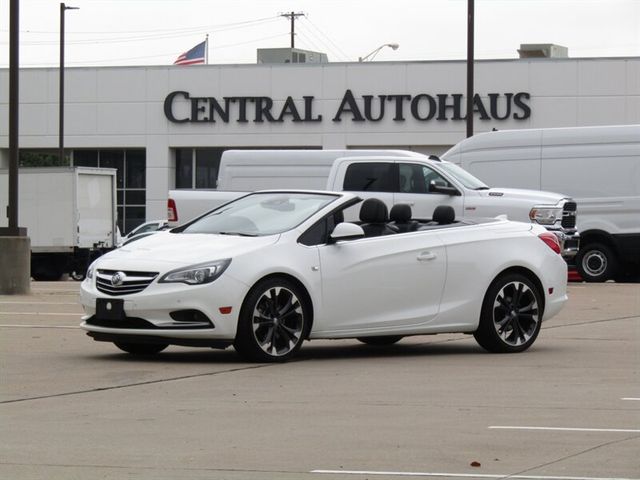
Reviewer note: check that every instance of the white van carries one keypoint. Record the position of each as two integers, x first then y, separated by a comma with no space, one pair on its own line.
598,166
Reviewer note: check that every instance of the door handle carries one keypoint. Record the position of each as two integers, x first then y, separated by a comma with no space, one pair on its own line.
426,256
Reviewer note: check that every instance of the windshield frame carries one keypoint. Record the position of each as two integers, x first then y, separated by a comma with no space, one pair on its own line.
221,219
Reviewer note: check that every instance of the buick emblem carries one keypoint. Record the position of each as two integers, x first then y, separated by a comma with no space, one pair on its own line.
118,279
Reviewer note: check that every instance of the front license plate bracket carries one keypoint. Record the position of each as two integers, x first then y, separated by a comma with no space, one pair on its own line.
110,309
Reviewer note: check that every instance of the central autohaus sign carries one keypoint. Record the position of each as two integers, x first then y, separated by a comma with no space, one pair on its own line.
181,107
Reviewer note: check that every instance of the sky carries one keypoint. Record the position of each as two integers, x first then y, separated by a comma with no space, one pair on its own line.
155,32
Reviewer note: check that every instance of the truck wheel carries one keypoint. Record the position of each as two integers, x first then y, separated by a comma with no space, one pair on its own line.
596,262
511,315
46,272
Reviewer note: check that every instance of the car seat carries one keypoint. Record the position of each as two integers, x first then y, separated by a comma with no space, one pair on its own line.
444,215
400,216
374,217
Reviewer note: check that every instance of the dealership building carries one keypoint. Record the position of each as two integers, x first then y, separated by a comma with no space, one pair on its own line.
165,127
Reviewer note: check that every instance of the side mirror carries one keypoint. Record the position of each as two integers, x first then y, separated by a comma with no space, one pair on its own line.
438,186
346,231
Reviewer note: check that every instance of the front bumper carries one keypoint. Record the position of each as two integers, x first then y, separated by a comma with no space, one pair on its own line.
158,313
569,242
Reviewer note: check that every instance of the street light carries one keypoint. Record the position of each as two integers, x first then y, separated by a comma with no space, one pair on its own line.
372,55
63,8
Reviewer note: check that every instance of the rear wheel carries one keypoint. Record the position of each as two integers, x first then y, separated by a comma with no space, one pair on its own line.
596,262
380,341
141,348
511,315
274,321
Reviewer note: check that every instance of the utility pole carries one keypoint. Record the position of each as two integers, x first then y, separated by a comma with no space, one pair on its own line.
470,89
293,16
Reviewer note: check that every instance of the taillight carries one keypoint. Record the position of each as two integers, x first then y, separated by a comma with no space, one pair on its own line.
551,240
172,213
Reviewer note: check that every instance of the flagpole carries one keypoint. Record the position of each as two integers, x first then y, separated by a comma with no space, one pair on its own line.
206,50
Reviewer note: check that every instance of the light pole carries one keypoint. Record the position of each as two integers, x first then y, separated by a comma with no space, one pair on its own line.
470,92
369,57
63,8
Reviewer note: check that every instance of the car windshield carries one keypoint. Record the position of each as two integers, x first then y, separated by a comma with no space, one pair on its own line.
462,176
261,214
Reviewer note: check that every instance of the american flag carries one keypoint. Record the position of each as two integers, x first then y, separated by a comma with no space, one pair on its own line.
194,56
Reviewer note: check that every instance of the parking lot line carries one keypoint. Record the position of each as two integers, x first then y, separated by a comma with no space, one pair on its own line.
43,314
38,326
566,429
462,475
631,398
38,303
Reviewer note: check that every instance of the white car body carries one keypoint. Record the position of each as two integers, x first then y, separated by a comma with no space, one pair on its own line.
412,283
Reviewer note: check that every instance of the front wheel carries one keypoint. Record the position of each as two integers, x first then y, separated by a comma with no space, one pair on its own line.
141,348
274,321
596,262
511,315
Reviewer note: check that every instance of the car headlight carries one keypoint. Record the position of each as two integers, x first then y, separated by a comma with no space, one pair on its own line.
197,274
545,215
91,270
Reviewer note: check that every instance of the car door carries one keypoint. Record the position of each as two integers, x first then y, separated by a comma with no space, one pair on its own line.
388,282
415,188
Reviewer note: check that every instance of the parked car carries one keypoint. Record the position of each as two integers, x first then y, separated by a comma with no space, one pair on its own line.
274,268
146,228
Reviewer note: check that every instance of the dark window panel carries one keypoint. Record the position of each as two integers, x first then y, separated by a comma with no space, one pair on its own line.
136,165
207,164
85,158
120,197
134,216
369,177
121,220
113,159
184,168
135,197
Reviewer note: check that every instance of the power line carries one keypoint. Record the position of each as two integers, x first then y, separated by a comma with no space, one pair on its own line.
329,39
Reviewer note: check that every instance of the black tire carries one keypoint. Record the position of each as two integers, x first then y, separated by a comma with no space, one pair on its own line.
275,319
380,341
596,262
46,272
511,315
141,348
77,276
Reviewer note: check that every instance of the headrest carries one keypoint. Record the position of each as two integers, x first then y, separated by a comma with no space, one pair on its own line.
400,212
444,214
373,210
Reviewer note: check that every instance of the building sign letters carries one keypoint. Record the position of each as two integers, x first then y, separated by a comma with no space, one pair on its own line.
181,107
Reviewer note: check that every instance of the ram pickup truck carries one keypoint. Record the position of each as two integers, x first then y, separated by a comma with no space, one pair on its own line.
423,183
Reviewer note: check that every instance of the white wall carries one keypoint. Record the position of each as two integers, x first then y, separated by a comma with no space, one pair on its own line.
123,106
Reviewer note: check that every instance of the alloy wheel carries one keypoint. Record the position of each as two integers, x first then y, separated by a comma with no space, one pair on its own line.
515,314
278,321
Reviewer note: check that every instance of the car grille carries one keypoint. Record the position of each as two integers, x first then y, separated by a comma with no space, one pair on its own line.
118,282
569,215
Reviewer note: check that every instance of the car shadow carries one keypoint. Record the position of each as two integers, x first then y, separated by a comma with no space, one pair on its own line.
311,351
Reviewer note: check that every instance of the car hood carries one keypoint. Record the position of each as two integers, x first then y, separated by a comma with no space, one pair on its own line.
536,196
171,250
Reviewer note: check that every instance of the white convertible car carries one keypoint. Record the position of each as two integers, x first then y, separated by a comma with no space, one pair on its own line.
271,269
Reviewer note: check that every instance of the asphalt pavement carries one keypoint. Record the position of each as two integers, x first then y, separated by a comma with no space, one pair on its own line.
429,407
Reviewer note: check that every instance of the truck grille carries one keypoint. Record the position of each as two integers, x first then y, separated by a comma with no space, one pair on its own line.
569,215
117,282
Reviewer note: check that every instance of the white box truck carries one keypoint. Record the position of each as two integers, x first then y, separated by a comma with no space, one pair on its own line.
70,215
598,166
